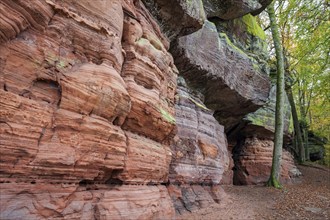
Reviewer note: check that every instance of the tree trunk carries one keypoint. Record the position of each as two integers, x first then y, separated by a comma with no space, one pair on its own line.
305,134
297,131
303,116
279,112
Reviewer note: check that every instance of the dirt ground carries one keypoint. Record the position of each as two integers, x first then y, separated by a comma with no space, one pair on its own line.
308,198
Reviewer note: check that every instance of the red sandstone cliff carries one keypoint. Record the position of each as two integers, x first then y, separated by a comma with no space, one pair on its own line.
96,124
87,100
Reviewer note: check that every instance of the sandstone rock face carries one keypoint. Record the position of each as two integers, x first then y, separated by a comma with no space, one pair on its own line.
190,198
230,9
226,77
200,147
150,76
147,161
87,96
253,161
253,154
17,16
93,124
228,174
69,201
200,154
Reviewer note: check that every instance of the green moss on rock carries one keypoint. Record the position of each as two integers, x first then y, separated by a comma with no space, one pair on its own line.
229,43
253,27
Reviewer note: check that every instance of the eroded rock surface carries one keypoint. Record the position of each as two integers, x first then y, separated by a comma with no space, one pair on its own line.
225,76
200,146
199,154
87,96
190,198
253,153
92,123
70,201
253,162
150,76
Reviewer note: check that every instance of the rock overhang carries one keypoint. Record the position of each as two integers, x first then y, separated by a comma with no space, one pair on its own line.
227,77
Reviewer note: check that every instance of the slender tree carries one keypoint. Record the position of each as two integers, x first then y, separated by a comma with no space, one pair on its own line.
298,138
296,126
279,112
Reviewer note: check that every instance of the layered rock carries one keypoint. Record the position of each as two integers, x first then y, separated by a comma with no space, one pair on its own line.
33,132
87,96
253,153
190,198
228,174
17,16
247,36
92,124
200,145
147,161
70,201
253,162
150,76
199,153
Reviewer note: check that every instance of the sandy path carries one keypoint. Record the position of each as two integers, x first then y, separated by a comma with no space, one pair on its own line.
307,199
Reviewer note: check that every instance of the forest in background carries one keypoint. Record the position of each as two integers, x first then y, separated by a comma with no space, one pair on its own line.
304,28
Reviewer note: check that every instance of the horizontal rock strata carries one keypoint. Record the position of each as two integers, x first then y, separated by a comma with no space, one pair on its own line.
253,161
199,154
95,123
200,147
70,201
190,198
86,107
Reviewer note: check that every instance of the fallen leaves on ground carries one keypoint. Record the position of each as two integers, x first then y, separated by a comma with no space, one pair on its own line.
308,198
